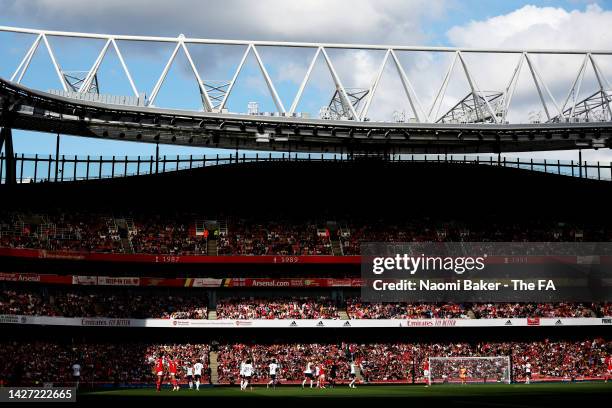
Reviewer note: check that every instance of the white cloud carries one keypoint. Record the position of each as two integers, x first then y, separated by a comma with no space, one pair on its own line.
394,21
539,27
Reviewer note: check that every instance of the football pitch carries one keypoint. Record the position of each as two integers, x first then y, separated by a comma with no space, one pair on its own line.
498,395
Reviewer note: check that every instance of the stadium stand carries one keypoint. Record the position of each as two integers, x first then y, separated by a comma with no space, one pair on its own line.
118,303
277,308
75,301
176,235
317,219
121,363
174,303
357,309
248,238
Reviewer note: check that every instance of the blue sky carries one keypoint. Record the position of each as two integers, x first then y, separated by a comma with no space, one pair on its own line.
418,22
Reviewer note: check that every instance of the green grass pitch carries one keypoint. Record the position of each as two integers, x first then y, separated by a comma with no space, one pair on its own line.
499,395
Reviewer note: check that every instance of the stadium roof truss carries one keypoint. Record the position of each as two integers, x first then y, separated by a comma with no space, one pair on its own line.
338,110
472,109
478,123
75,80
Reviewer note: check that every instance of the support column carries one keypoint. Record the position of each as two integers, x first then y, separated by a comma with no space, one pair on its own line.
6,138
157,158
57,151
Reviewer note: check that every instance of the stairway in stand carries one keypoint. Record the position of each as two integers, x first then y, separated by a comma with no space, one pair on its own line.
211,247
336,247
334,238
127,245
214,367
125,228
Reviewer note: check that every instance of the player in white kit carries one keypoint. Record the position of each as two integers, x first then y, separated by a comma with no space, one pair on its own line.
242,364
197,374
189,369
308,375
76,374
353,375
246,373
528,373
273,367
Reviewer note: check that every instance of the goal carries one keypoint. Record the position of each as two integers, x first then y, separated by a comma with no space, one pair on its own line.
476,369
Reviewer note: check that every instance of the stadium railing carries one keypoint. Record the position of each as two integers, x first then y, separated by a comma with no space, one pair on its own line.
39,168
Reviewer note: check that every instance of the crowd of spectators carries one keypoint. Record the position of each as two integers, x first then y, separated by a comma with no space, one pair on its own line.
160,235
603,309
274,238
156,234
382,362
61,232
508,310
429,230
103,233
356,309
76,302
277,308
39,362
176,234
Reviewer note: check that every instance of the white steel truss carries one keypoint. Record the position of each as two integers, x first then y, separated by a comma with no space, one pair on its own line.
569,111
216,90
218,102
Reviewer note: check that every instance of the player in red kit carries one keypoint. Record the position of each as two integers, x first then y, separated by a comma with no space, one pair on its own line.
172,369
609,364
426,372
159,371
321,376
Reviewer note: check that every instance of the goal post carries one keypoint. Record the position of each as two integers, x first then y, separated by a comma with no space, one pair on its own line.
469,370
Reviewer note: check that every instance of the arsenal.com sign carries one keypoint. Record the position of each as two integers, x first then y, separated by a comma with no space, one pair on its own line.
181,282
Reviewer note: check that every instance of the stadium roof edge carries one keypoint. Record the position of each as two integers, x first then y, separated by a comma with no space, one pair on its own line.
28,109
192,40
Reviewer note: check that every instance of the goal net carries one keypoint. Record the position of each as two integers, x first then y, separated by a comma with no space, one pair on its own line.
469,369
